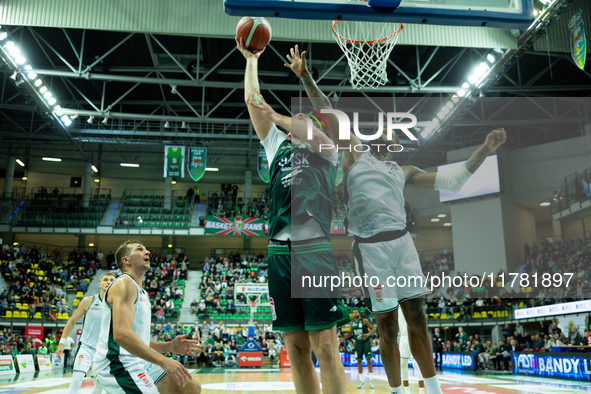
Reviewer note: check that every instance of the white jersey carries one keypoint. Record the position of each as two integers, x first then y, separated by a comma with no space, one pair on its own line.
375,196
91,325
108,353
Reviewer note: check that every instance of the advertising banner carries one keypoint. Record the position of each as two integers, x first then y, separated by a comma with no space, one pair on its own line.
44,362
250,359
234,226
55,362
36,333
575,366
337,227
350,360
25,363
459,360
284,360
7,366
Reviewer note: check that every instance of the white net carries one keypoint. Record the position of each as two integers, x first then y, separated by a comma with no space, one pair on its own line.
367,46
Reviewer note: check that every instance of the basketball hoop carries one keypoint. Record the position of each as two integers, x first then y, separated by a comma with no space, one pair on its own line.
367,46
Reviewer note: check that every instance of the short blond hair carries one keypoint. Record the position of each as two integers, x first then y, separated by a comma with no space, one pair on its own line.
124,250
107,274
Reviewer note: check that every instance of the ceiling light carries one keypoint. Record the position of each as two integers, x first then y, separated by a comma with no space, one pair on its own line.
465,85
211,169
490,58
545,204
51,159
441,115
170,245
132,165
31,76
473,79
38,82
435,220
173,90
104,121
435,121
173,182
445,110
14,51
24,178
90,120
9,44
3,36
97,180
66,120
51,101
43,89
20,60
167,124
442,215
47,95
424,134
449,105
94,168
461,93
20,163
91,244
57,111
184,125
447,224
455,98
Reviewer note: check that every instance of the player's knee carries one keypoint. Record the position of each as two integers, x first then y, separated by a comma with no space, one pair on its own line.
195,387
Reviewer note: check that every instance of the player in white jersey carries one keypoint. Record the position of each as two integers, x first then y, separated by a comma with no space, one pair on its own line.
406,355
91,309
377,219
126,360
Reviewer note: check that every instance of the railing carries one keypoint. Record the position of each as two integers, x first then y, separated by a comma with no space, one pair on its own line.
59,213
576,188
67,193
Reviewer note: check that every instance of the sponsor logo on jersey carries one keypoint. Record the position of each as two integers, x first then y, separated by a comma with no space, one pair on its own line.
145,379
378,291
80,357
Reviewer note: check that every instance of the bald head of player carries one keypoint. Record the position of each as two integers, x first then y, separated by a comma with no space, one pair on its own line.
133,256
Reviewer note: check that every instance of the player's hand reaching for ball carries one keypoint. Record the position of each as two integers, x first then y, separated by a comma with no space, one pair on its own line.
176,370
495,138
245,52
297,61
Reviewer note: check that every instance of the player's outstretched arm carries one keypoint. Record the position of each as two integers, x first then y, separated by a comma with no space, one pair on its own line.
80,311
298,128
455,180
123,294
260,122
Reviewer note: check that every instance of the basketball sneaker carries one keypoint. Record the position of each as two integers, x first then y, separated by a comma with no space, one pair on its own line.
361,384
371,384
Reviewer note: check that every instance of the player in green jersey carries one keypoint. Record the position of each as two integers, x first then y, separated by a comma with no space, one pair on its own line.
361,330
304,197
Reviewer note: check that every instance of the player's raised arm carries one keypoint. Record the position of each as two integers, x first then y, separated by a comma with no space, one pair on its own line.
297,63
77,315
260,122
297,126
455,180
123,294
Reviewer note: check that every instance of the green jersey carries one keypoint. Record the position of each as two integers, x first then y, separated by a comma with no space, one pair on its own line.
359,328
302,177
174,160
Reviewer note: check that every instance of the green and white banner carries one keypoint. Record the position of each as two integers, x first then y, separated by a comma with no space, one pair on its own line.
197,162
174,161
263,165
234,226
578,43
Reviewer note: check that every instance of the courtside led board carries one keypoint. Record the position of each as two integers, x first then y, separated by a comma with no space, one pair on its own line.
508,14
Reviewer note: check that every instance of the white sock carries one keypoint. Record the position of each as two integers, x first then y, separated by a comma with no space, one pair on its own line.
361,378
76,382
432,385
97,387
371,375
396,390
406,390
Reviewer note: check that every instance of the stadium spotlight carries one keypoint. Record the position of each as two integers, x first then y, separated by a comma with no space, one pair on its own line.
20,163
167,125
105,120
90,120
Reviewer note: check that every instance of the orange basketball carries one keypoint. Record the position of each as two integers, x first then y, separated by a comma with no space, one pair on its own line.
255,33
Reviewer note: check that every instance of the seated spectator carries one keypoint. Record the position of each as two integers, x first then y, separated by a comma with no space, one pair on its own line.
160,316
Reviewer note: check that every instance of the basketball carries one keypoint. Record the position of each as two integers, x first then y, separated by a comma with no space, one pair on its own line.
255,33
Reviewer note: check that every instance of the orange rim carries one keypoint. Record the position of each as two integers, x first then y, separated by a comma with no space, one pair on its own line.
401,28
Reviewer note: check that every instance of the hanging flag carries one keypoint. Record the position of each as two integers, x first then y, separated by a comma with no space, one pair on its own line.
174,161
340,170
197,162
263,165
578,43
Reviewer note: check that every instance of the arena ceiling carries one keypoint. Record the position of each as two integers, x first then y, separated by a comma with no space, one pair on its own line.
129,93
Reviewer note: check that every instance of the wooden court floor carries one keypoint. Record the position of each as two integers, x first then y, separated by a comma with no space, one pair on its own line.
235,381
